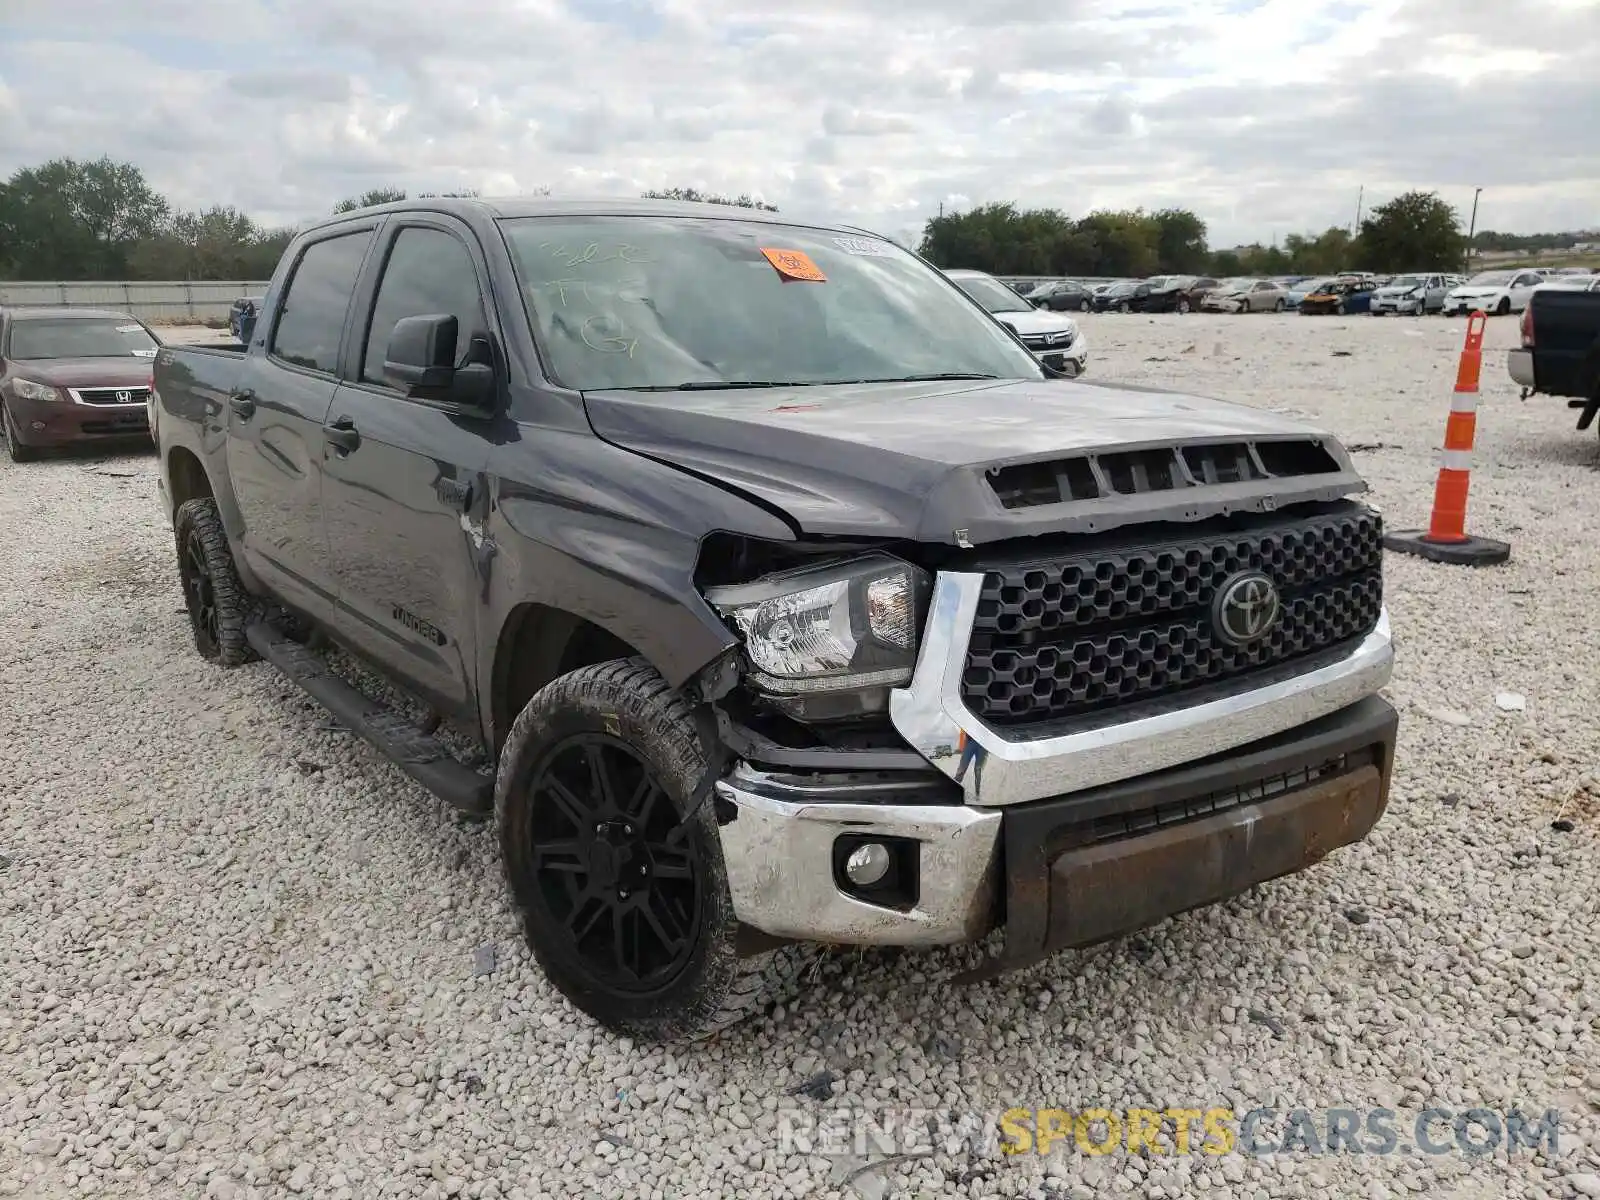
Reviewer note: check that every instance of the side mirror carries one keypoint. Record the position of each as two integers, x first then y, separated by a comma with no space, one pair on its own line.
421,357
421,352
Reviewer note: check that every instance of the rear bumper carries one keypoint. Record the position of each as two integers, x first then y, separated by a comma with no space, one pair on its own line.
1066,871
1520,364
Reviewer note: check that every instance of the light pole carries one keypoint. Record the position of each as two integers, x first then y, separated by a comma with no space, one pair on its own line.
1472,228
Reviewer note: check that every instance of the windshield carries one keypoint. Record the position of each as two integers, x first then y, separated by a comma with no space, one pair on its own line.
1490,279
1405,281
80,337
991,293
1236,285
669,302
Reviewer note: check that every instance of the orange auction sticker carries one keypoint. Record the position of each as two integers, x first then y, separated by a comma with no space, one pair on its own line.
794,264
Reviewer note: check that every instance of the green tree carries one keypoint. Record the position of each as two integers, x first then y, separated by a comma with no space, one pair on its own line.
694,195
1180,242
76,220
1416,231
382,195
1126,242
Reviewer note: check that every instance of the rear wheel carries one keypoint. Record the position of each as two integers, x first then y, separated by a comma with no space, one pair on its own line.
1124,307
623,890
1280,305
1183,304
14,447
219,607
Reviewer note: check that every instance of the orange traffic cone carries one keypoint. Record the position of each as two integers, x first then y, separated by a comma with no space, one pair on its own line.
1446,539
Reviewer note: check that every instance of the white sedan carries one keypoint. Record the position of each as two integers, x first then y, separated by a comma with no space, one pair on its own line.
1493,292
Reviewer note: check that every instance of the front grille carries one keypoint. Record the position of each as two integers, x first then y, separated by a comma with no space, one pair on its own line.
1037,341
113,397
1079,634
129,424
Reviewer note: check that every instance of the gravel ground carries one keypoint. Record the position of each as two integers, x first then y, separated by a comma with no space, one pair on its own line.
241,955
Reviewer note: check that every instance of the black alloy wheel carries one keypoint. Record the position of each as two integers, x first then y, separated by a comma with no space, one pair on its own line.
615,870
200,593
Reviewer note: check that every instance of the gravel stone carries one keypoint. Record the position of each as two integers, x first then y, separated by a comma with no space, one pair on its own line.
226,976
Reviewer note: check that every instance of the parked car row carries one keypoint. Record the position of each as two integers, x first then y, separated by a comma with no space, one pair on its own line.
1413,294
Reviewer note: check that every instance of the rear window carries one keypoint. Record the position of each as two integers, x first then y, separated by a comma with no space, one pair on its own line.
80,337
311,321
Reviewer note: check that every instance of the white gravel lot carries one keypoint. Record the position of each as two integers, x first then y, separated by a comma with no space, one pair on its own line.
241,956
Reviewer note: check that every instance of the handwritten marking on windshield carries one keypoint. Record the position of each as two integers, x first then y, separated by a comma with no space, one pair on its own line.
590,254
594,335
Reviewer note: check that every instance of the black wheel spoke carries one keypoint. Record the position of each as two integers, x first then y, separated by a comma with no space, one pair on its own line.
664,923
619,948
671,863
560,856
582,925
605,792
571,807
643,802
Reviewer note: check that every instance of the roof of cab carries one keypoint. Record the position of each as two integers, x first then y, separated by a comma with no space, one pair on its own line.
500,208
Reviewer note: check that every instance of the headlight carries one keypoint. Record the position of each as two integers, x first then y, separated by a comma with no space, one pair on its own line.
29,390
829,642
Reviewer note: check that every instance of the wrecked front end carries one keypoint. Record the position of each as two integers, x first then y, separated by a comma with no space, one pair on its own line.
1163,692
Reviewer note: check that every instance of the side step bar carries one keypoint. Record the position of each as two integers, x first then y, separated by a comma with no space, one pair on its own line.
418,754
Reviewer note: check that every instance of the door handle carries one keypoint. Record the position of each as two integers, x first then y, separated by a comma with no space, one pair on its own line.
243,404
342,435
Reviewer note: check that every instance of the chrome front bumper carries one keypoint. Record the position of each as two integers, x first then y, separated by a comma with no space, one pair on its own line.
931,716
779,855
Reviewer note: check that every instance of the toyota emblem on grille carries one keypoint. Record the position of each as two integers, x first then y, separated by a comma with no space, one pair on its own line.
1246,608
124,397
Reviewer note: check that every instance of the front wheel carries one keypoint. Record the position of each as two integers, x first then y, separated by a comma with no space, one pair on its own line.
1085,306
1503,307
219,607
1183,306
1124,307
1338,309
623,890
15,449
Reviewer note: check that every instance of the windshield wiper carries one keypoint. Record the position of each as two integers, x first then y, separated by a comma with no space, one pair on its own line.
929,378
716,385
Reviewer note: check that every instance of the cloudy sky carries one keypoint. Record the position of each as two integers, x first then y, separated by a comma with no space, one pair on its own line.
1265,116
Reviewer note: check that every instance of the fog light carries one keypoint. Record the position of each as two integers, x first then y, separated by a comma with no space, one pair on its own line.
868,863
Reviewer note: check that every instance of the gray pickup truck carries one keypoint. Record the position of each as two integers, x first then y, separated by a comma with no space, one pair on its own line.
789,598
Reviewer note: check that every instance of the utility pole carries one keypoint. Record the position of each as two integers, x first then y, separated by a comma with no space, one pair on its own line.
1472,228
1361,195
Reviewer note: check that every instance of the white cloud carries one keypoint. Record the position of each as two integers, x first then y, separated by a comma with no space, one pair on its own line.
1265,116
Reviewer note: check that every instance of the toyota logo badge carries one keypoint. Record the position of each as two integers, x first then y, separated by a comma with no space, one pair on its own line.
1246,608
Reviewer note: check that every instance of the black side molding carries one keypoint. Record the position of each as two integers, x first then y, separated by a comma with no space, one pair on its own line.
419,755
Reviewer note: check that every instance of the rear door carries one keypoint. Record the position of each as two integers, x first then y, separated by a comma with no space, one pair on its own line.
276,444
404,502
1522,285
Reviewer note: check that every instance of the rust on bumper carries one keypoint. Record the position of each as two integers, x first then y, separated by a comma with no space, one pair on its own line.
1098,864
1116,887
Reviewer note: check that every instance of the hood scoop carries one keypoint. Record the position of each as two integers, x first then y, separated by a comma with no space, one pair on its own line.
1160,469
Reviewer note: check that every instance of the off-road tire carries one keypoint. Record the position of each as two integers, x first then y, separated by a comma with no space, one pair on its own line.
627,700
18,452
200,540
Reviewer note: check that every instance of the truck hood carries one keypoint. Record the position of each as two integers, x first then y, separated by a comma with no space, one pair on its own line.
124,371
917,460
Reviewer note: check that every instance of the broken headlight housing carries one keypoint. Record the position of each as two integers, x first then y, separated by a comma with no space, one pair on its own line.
825,643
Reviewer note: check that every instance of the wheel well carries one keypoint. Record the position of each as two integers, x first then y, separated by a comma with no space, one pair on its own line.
186,477
537,644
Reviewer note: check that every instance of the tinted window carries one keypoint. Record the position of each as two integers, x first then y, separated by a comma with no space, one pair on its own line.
428,272
312,317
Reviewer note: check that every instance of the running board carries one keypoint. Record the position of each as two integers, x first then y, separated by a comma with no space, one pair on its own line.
418,754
